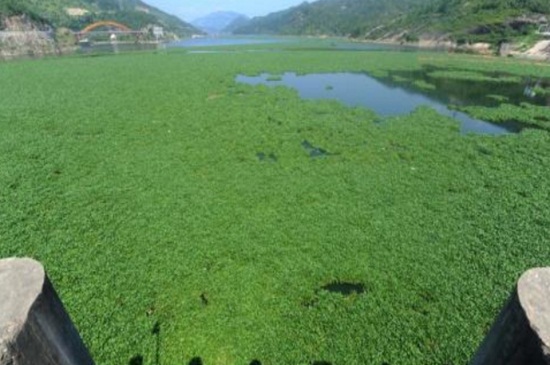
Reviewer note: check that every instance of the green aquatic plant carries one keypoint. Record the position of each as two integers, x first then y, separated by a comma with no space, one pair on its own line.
423,85
545,91
527,114
179,213
474,76
499,98
397,78
274,78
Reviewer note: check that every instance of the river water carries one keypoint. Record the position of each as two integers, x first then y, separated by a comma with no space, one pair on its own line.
384,97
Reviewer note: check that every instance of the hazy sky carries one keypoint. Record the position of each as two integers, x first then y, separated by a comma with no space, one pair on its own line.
192,9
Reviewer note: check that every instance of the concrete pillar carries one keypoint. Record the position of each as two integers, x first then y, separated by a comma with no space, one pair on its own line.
34,326
521,332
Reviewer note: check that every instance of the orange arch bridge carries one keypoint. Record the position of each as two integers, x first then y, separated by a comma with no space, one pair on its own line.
107,23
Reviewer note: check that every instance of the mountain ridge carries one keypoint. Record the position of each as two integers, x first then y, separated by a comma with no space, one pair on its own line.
328,17
217,22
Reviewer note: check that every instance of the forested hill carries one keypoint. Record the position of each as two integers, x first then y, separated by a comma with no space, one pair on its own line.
329,17
470,21
466,21
76,14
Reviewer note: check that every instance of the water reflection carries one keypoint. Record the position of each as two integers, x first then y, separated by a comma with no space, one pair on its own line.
490,89
385,98
534,90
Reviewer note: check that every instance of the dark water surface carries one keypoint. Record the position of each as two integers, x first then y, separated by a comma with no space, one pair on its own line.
510,89
388,98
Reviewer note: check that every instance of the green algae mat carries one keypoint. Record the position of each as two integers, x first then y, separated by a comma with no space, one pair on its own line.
185,218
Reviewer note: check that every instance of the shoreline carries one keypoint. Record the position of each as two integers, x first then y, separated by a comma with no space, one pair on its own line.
539,52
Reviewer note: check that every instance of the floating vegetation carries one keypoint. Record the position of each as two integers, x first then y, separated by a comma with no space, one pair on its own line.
542,91
475,76
274,78
149,203
529,115
498,98
423,85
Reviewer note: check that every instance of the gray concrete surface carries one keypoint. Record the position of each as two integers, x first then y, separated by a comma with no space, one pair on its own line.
34,326
521,332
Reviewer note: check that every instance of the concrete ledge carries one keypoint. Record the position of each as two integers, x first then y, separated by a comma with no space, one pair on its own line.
36,329
521,332
34,326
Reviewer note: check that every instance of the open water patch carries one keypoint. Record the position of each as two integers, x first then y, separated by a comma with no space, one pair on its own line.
385,97
314,152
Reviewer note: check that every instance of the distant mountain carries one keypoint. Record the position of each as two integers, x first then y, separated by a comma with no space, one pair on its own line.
237,23
76,14
217,22
329,17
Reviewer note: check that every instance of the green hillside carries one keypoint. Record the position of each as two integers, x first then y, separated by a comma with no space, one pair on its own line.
329,17
463,21
471,21
76,14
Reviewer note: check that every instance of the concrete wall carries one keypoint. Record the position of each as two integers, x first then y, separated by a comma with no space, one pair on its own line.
34,326
521,332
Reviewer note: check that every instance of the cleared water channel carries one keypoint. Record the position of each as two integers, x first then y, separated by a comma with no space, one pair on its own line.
385,98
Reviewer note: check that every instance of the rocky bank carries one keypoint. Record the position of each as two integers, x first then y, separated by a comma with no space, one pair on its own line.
20,37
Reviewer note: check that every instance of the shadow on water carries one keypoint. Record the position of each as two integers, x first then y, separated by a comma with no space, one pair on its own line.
156,332
196,361
344,288
136,360
388,97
